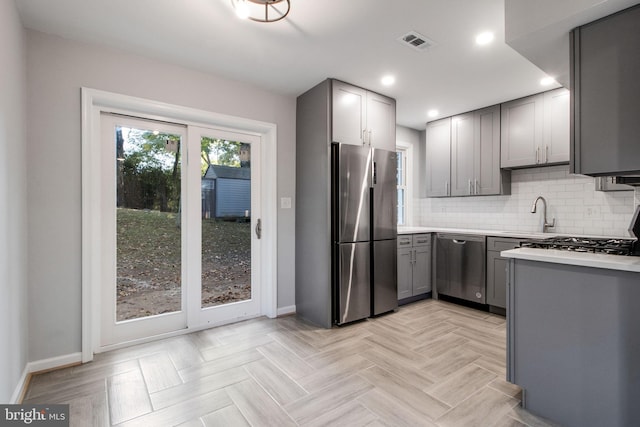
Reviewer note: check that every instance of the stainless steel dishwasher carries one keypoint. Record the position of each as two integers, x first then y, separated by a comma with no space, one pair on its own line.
460,266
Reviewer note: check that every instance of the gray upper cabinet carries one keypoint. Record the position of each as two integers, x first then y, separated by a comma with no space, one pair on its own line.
438,162
556,126
381,121
463,155
362,117
491,179
521,132
535,130
606,101
475,154
349,113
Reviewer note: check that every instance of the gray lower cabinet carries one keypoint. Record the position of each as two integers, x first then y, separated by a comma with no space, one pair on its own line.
497,270
573,342
414,265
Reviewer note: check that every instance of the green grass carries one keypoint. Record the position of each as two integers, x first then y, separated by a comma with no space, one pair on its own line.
149,262
149,242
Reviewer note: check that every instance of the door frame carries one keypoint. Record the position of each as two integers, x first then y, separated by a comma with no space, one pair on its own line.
94,102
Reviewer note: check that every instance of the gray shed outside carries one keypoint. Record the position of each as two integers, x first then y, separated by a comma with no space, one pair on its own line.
226,192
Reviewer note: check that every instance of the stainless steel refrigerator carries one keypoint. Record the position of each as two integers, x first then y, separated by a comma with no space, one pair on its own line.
364,231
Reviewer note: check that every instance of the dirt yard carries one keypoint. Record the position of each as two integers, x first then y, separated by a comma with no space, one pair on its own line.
149,259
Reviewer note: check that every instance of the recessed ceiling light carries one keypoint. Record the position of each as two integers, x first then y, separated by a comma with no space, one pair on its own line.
547,81
433,113
484,38
388,80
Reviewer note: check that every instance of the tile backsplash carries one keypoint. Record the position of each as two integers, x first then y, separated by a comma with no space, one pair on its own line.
571,199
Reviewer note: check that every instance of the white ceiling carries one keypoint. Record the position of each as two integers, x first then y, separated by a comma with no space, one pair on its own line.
352,40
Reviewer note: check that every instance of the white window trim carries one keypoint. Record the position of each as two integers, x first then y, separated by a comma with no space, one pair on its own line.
408,149
94,102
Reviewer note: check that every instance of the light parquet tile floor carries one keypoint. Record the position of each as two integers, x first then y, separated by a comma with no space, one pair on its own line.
431,363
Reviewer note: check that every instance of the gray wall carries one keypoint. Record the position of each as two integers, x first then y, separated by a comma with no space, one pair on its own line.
57,68
13,208
417,141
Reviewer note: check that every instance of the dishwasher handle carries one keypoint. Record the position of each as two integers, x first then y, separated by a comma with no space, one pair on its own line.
459,242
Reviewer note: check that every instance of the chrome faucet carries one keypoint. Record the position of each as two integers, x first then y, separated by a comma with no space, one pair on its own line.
546,223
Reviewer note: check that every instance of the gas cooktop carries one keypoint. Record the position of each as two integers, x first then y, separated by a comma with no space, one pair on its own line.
581,244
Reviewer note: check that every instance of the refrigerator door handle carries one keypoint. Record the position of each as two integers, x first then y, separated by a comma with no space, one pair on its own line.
375,173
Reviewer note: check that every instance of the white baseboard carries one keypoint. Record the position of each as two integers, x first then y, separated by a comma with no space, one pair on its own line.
54,362
42,365
20,388
283,311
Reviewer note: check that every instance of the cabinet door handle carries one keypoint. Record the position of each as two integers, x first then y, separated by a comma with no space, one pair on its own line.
370,137
537,155
477,192
364,136
546,154
470,190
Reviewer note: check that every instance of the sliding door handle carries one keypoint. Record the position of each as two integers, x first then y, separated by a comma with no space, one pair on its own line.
259,228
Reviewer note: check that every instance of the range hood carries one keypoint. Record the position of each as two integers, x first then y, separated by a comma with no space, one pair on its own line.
633,180
539,30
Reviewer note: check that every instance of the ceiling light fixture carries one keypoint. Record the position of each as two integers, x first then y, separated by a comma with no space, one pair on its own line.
484,38
432,113
262,10
547,81
388,80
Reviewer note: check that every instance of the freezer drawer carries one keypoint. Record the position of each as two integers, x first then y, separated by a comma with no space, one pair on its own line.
385,276
460,266
353,282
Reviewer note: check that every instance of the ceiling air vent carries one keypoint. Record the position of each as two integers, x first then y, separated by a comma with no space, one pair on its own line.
416,41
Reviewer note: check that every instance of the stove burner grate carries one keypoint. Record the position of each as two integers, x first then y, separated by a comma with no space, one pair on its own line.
580,244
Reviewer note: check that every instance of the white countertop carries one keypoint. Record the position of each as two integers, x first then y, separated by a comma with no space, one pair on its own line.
495,233
610,262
